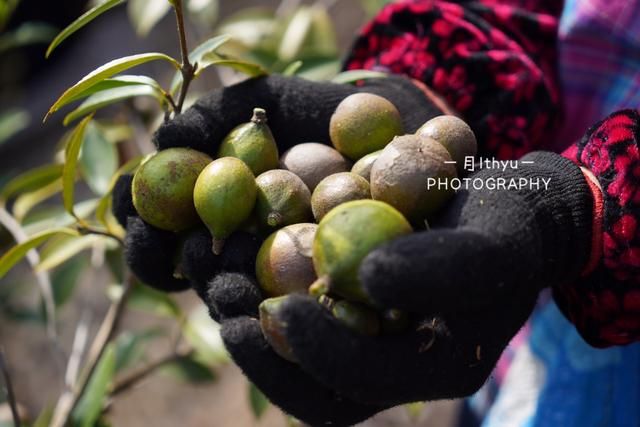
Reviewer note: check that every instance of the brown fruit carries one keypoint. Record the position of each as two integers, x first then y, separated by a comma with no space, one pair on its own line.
282,199
337,189
312,162
401,173
454,134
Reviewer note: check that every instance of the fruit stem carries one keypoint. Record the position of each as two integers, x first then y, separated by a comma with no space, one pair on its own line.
274,219
217,245
320,287
327,302
259,116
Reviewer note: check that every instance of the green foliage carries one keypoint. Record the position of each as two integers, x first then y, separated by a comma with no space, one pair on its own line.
130,347
98,159
26,34
72,150
11,122
30,181
64,278
188,369
257,401
145,14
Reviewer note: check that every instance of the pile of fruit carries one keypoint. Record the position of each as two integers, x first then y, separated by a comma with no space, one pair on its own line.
321,214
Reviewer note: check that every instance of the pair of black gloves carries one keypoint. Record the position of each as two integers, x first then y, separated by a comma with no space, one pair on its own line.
468,284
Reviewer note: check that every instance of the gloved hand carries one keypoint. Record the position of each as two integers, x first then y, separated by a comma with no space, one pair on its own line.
298,111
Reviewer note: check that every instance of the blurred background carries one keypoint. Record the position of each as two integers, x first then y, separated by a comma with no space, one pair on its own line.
170,367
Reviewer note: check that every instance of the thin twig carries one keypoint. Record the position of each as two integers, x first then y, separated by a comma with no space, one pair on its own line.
77,350
10,395
70,398
87,229
186,68
42,277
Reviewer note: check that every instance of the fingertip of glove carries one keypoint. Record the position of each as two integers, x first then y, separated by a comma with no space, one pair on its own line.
185,130
232,295
122,201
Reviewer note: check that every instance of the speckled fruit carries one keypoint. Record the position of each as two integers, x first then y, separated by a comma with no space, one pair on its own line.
345,236
312,162
224,196
273,329
337,189
357,317
363,166
162,188
400,176
284,264
454,135
364,123
282,199
252,143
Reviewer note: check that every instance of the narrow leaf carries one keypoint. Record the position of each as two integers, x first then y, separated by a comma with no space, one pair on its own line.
60,249
18,252
31,180
26,34
145,14
105,201
295,34
190,370
107,97
27,201
56,217
13,121
117,81
248,68
257,400
130,346
144,298
83,20
92,402
72,150
196,57
292,68
98,159
105,71
65,278
353,76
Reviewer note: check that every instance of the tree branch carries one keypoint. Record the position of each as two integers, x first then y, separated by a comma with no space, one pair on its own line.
186,68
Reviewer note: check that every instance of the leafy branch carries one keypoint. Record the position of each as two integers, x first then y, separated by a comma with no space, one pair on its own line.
187,69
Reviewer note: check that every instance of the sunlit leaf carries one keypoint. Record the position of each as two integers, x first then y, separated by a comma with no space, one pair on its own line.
145,14
65,278
130,346
56,216
60,249
93,399
204,12
105,71
11,122
292,68
31,180
321,39
72,149
115,262
295,34
196,56
98,159
248,68
27,201
116,82
188,369
257,401
105,201
353,76
203,333
26,34
83,20
16,253
319,69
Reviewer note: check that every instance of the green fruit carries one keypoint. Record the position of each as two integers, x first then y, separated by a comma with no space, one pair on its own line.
364,123
363,166
401,174
454,134
224,196
162,188
345,236
252,143
282,199
357,317
273,329
337,189
312,162
394,321
284,264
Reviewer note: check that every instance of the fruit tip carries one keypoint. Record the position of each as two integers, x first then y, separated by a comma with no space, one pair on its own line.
259,115
274,219
217,245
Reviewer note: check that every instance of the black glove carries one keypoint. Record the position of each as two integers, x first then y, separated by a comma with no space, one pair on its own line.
298,111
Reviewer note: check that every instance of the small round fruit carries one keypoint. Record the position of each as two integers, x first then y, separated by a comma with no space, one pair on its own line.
337,189
363,166
284,264
162,188
345,236
357,317
273,329
401,176
454,134
312,162
364,123
252,143
224,196
282,199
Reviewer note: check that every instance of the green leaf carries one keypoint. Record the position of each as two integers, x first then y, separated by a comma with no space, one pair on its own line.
27,201
319,68
44,418
292,68
65,278
203,333
294,36
105,71
105,201
16,253
26,34
130,346
72,149
83,20
353,76
188,369
31,180
98,159
115,263
257,400
145,14
90,405
107,97
204,12
197,57
61,248
56,216
115,82
250,26
11,122
248,68
147,299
